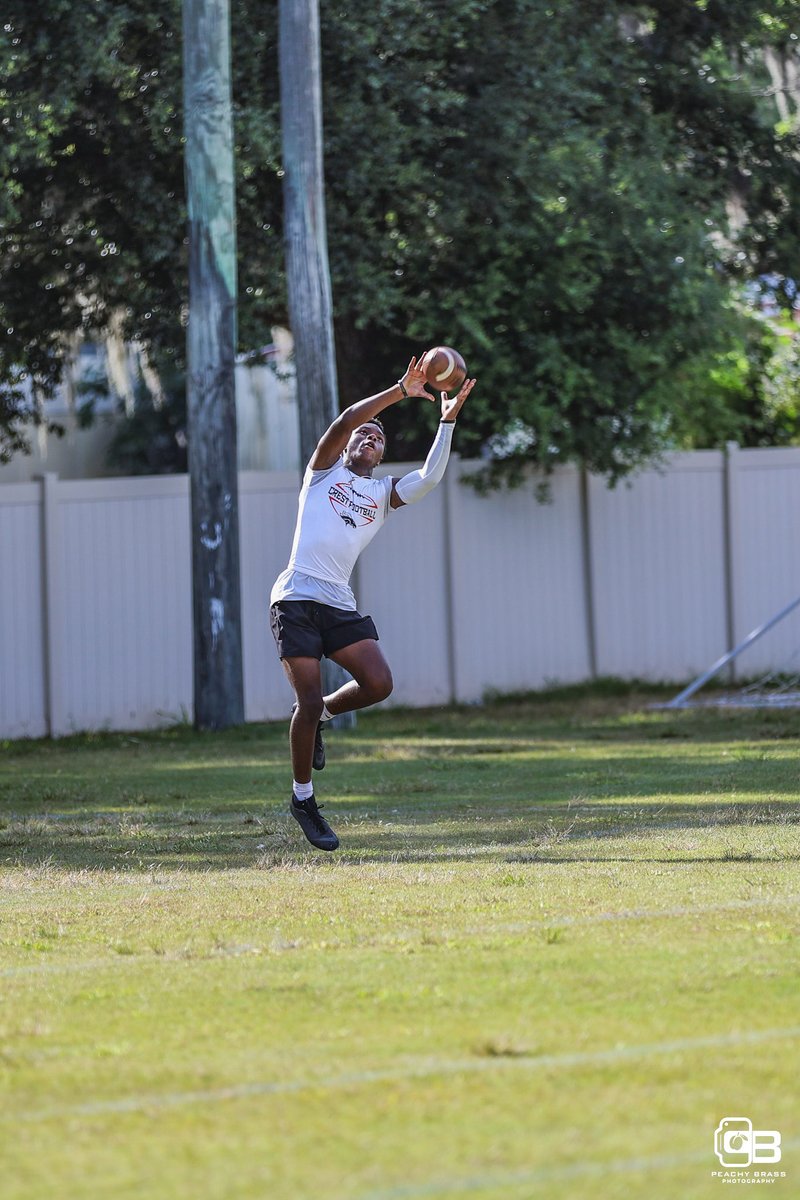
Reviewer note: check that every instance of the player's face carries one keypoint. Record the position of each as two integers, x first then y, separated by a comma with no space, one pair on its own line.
366,446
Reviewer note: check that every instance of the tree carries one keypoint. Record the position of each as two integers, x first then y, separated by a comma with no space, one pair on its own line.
90,106
549,187
211,351
560,212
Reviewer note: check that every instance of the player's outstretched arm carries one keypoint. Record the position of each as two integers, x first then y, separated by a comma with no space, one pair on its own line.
416,484
336,437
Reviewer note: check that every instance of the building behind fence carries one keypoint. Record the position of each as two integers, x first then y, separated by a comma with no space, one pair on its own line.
653,580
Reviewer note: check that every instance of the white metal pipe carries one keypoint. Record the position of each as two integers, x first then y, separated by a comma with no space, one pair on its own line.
753,636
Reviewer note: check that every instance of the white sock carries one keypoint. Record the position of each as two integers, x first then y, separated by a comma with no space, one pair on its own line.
302,790
326,716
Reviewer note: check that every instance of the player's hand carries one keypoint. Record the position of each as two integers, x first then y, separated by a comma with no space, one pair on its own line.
414,380
451,408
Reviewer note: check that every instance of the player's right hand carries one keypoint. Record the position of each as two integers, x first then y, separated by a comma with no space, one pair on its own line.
414,380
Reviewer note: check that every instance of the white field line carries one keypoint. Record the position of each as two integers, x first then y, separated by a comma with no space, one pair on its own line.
427,1068
555,1174
406,935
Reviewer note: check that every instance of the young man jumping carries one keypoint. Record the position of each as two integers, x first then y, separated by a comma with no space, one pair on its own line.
312,607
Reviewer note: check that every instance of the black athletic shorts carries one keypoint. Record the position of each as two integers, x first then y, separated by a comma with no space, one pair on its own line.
304,628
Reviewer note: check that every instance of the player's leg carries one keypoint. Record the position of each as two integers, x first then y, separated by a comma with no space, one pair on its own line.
295,627
304,676
306,680
372,678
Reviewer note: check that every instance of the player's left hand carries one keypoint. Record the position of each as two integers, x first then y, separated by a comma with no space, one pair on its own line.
451,408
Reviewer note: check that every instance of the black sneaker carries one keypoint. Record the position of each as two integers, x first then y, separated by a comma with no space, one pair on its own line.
313,824
318,762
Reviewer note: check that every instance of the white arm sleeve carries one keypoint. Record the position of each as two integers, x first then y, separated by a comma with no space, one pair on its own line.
416,484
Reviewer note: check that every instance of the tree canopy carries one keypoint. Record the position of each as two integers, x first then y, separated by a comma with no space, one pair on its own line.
572,196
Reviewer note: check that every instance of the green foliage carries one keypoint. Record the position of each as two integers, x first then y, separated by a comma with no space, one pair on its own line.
779,416
153,440
553,215
543,186
92,179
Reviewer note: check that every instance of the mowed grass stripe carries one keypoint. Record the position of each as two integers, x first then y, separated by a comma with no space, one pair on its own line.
502,1181
558,1062
499,929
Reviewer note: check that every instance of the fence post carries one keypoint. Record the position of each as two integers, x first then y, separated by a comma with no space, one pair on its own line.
729,530
51,592
450,503
588,574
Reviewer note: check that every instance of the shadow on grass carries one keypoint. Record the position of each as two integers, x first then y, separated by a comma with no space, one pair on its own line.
512,782
561,833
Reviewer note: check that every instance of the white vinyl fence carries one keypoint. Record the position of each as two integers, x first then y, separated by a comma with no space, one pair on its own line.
652,580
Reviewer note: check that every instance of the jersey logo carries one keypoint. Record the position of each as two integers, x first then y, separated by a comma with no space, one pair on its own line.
353,507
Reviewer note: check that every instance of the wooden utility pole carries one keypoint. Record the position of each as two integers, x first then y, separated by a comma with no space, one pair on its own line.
211,350
307,270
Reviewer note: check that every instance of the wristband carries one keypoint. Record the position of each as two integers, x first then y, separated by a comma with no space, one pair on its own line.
447,421
402,387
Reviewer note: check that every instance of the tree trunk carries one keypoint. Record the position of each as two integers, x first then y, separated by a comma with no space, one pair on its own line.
307,270
211,350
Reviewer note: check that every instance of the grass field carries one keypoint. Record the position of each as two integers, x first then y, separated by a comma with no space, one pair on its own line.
558,945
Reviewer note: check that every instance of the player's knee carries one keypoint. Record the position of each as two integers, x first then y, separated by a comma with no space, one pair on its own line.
382,685
310,705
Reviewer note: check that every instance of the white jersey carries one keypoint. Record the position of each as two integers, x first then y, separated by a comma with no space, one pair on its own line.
339,514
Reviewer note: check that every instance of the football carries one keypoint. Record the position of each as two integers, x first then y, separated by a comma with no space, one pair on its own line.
444,368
